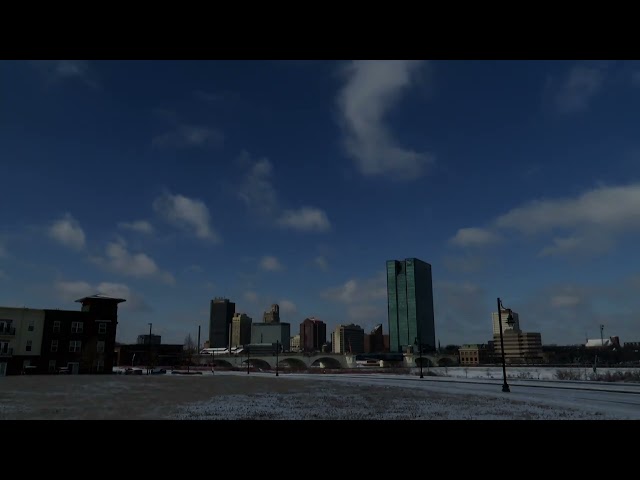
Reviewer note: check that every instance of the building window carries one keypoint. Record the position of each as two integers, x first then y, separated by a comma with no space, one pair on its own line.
102,328
56,326
100,347
31,326
100,366
52,366
76,327
54,345
74,346
29,344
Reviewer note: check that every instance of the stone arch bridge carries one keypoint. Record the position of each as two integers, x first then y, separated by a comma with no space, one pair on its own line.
303,361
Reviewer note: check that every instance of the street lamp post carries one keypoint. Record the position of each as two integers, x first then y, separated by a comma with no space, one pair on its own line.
149,361
213,361
419,345
510,321
277,351
248,363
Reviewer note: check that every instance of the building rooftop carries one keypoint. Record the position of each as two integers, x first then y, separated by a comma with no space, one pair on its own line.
100,297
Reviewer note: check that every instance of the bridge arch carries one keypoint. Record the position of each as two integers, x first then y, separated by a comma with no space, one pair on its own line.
257,363
222,363
326,362
445,362
425,361
293,363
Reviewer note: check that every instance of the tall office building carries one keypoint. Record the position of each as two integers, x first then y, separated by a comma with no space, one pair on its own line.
313,335
410,304
220,318
273,315
348,339
240,330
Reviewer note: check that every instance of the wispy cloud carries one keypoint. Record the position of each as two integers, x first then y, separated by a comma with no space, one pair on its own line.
120,260
250,296
257,190
270,264
140,226
363,299
579,86
287,307
305,219
261,198
591,222
188,214
473,237
68,232
185,136
59,70
321,262
72,290
372,89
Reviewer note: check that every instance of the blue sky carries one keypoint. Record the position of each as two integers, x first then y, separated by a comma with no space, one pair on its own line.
292,182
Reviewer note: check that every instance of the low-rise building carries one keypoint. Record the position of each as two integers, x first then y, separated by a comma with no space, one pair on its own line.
519,347
474,354
295,343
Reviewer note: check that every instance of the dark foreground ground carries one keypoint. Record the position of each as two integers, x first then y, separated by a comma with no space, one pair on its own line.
246,397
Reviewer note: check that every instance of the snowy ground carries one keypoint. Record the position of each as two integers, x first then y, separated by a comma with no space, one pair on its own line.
532,373
236,395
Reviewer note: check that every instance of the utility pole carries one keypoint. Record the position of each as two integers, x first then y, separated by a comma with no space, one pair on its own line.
149,360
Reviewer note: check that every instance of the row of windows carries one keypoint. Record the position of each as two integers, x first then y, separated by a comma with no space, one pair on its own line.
99,366
77,327
75,346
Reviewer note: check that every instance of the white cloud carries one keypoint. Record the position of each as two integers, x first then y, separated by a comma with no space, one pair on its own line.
189,214
140,226
257,190
305,219
321,262
59,70
593,220
373,87
287,307
71,291
68,232
270,264
251,297
565,300
603,207
580,85
261,198
356,291
190,136
120,260
474,237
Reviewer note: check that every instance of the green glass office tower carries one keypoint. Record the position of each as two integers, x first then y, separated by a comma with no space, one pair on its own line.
410,300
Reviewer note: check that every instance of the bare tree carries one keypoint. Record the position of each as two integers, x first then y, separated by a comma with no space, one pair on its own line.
189,350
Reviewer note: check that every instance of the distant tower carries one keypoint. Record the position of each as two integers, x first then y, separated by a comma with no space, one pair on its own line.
220,318
273,315
410,304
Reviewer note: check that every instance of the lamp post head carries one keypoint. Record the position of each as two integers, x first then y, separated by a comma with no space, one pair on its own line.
510,321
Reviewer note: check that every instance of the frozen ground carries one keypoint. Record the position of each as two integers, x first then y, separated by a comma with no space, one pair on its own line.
236,395
515,372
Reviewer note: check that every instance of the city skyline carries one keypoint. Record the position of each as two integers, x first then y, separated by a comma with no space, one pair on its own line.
170,183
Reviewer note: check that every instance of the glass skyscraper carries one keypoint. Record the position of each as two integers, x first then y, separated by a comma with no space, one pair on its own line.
410,301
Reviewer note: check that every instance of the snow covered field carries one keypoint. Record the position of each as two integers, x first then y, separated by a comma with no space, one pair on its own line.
236,395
